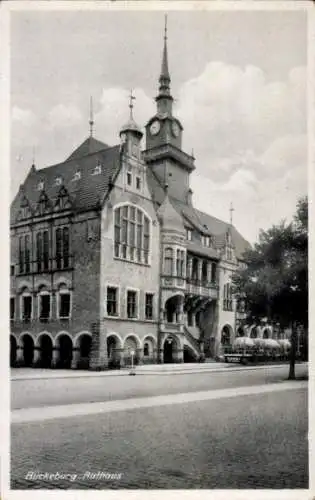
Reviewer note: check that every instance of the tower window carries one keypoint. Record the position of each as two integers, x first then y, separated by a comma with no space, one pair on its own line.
129,178
168,261
138,182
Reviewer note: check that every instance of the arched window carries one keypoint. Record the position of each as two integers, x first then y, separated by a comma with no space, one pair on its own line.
44,305
131,234
26,306
64,302
168,261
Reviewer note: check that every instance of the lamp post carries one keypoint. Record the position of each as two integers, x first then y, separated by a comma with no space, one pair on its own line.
132,369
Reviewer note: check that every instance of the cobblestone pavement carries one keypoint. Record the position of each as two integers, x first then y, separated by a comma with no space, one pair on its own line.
241,442
48,392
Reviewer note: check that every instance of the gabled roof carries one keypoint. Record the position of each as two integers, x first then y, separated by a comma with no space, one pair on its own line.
85,193
89,146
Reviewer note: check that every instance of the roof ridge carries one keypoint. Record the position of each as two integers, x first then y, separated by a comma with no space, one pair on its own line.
77,159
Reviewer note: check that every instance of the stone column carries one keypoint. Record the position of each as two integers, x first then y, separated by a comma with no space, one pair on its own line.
99,358
199,270
19,354
75,358
55,357
189,267
36,356
139,354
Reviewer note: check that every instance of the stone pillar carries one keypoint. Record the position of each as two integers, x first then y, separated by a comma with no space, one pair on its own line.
75,358
139,354
179,355
36,356
53,305
189,267
199,270
19,354
99,358
155,355
55,357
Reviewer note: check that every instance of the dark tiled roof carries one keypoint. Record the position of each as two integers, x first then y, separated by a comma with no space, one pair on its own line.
200,250
84,193
89,146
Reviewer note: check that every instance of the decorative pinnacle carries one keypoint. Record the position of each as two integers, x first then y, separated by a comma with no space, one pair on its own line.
232,209
91,122
131,99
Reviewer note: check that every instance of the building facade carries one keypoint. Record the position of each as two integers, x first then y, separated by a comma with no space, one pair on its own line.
109,257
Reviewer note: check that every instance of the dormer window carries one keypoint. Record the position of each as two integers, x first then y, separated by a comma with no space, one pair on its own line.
206,241
58,181
77,176
189,234
98,169
40,186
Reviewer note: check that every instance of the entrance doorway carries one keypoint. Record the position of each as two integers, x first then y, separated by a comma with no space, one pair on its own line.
65,351
168,350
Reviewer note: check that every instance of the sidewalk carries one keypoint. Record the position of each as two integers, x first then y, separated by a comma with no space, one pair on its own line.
163,369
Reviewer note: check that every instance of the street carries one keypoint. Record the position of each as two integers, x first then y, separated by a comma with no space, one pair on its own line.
245,441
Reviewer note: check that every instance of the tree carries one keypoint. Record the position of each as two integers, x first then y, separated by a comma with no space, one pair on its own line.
275,281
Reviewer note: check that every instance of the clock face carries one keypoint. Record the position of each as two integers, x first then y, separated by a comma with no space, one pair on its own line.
155,127
175,129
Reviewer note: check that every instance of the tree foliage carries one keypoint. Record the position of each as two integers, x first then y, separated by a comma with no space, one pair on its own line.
275,281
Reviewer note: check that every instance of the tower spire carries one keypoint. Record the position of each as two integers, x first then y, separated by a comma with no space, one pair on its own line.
91,121
232,209
131,99
165,79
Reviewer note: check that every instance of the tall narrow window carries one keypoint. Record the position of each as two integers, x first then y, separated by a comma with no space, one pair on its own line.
44,307
45,251
12,308
204,272
39,251
27,254
64,299
112,301
59,248
27,308
213,272
168,261
132,304
21,254
149,305
146,240
117,231
65,242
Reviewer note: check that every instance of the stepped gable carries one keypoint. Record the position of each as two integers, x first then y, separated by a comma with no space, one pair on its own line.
85,193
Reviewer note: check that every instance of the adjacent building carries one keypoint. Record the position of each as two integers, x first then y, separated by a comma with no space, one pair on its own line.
110,258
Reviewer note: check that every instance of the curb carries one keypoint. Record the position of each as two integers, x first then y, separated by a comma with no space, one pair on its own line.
139,373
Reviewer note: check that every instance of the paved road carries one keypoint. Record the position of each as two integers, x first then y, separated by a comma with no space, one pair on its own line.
48,392
257,441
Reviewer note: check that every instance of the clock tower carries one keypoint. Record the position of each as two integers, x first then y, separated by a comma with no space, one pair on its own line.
164,138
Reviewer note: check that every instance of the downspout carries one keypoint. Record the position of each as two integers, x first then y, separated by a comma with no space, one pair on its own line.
159,358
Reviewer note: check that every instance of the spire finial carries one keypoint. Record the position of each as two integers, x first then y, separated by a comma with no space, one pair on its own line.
91,122
232,209
165,27
165,76
131,99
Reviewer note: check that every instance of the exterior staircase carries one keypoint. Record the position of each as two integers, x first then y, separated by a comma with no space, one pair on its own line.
191,341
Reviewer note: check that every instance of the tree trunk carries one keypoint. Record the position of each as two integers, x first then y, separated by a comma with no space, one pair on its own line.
293,353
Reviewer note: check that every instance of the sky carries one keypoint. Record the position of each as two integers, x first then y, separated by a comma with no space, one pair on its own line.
238,79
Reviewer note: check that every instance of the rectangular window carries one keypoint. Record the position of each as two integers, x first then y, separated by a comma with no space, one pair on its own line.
64,305
27,309
65,242
12,270
129,178
138,183
131,304
39,251
213,273
117,231
44,307
112,301
12,308
149,305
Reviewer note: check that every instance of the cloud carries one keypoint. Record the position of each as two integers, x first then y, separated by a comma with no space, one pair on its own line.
62,116
22,117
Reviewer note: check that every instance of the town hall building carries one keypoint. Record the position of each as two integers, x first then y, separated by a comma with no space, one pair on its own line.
110,257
